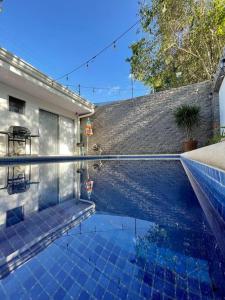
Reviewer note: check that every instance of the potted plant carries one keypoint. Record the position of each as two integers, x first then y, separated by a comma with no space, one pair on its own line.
187,117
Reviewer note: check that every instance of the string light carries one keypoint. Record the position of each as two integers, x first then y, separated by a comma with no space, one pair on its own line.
94,88
113,43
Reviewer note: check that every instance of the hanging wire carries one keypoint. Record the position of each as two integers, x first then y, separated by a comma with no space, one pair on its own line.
86,63
94,88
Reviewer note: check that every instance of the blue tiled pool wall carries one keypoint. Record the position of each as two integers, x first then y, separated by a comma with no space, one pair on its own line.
43,243
212,181
164,184
140,188
114,263
144,252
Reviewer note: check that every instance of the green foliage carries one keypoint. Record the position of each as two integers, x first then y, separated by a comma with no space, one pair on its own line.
215,139
187,116
182,42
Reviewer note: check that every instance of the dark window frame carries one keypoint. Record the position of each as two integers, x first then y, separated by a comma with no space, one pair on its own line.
14,216
20,109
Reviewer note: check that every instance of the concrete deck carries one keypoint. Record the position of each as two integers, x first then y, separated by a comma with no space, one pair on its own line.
213,155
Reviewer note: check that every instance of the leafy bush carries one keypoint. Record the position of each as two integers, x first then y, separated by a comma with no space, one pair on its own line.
215,139
187,117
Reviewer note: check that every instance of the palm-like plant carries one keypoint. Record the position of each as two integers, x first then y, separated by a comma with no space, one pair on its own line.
187,117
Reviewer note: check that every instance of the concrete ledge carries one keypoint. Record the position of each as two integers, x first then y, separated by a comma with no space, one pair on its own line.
213,155
48,159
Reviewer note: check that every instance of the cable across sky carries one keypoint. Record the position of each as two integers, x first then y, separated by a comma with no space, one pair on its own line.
87,62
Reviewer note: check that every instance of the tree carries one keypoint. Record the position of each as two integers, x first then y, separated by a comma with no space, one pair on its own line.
182,42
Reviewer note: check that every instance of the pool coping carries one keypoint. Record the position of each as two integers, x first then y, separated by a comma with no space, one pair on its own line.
52,158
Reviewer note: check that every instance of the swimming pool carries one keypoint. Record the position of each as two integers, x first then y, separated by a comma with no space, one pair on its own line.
145,237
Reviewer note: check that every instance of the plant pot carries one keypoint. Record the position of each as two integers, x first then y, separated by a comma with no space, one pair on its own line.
190,145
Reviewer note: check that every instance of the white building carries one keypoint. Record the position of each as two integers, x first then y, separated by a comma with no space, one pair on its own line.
31,99
219,87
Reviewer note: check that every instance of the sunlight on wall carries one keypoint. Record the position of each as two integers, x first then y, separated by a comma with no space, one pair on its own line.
68,128
222,103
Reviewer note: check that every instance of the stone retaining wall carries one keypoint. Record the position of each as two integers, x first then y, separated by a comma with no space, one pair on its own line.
146,124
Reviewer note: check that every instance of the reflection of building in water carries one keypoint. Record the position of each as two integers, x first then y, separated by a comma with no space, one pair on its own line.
26,189
18,193
38,203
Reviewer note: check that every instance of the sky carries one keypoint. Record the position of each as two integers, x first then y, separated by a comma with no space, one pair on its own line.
57,36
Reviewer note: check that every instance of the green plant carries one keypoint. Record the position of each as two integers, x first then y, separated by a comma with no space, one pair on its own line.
215,139
181,42
187,116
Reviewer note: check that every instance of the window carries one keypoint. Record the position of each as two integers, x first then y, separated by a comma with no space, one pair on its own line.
14,216
16,105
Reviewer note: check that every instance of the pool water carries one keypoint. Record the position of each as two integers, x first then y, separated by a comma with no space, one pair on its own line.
148,237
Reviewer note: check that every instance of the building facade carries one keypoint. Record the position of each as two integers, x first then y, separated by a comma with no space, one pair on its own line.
50,111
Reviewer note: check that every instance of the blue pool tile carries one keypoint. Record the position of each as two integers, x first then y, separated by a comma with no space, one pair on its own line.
126,279
156,295
59,294
99,292
169,289
60,276
169,276
122,292
90,286
193,296
136,286
169,253
113,287
148,279
2,293
96,274
108,296
146,291
74,291
206,289
100,263
43,296
181,294
36,290
84,296
113,258
120,263
29,282
67,283
51,286
104,281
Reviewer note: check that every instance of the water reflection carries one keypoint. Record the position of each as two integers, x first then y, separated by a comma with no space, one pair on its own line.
148,229
151,209
37,204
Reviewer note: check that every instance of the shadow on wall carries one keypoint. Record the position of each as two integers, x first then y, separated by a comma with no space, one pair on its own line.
146,124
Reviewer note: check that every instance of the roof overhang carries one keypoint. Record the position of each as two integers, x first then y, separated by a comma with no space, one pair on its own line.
18,74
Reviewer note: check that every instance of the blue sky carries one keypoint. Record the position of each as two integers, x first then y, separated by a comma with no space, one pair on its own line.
56,36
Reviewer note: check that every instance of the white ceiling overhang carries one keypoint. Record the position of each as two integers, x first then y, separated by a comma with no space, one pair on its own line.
22,76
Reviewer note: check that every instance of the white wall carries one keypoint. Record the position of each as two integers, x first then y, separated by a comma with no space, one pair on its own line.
30,119
222,103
